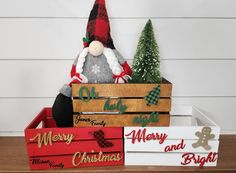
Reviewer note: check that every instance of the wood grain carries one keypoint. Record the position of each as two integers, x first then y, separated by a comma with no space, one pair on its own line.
133,105
123,90
118,120
61,148
152,147
176,131
14,159
66,160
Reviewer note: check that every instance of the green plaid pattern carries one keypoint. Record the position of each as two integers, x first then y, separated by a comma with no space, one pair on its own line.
153,96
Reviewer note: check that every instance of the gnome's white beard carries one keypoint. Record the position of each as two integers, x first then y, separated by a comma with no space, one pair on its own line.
111,60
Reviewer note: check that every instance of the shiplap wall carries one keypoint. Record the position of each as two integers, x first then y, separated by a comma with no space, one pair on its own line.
40,38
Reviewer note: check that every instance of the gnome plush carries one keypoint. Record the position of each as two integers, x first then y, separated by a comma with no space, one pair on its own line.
98,62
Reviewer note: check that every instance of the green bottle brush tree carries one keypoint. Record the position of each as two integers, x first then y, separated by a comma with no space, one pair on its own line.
146,65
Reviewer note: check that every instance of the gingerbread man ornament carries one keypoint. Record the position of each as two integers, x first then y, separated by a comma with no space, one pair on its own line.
204,137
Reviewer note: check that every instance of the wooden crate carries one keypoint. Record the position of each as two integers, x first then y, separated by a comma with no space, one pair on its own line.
50,147
172,146
151,147
89,102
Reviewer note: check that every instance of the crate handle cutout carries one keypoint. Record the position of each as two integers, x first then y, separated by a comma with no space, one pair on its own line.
40,118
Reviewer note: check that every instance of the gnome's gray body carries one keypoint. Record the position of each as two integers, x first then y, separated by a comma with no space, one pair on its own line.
97,69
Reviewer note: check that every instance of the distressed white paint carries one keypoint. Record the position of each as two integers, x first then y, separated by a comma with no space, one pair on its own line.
154,146
155,151
62,38
183,129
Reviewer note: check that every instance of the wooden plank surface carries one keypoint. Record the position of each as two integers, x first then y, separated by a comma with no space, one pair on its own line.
80,134
65,161
62,38
117,9
14,159
152,147
61,148
123,90
133,105
44,78
161,159
186,131
117,120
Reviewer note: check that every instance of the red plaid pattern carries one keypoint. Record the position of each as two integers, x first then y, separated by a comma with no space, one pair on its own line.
98,27
102,142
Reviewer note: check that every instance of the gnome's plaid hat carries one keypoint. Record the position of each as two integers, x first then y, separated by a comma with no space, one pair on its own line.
98,27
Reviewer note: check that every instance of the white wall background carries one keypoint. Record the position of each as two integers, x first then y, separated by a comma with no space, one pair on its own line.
40,38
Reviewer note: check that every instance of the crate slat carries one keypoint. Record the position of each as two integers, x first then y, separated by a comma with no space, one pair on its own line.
61,148
79,133
154,146
124,90
100,120
161,159
65,161
133,105
173,132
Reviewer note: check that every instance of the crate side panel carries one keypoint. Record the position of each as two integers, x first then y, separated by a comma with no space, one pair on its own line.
62,148
161,159
50,122
172,132
123,90
40,118
31,135
174,145
133,105
203,118
66,161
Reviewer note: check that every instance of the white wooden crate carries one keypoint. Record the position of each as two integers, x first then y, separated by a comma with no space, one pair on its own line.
185,122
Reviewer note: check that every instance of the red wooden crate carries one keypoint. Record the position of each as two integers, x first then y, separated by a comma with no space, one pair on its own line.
50,147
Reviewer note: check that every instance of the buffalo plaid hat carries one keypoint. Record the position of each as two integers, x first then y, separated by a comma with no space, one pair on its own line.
98,27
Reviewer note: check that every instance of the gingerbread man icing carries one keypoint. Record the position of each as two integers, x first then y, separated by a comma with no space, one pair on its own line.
204,137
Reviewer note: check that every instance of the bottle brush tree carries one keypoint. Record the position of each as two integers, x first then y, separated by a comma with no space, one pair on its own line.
146,65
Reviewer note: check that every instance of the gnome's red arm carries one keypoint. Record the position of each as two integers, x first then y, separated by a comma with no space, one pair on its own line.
126,68
125,75
73,71
74,74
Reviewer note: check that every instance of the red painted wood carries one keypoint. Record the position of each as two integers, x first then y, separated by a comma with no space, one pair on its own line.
66,160
79,133
50,123
83,133
39,118
61,148
83,141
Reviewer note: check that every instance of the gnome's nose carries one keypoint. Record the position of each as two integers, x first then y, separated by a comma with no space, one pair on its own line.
96,48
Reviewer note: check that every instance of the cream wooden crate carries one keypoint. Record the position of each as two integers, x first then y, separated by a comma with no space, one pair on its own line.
184,123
